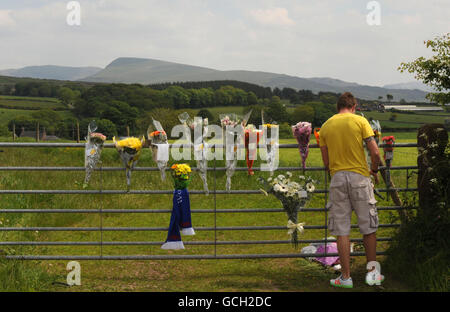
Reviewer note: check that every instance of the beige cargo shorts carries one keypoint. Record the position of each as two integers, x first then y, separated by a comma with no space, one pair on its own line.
351,191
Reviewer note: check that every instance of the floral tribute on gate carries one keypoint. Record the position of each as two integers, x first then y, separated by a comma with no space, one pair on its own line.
159,146
252,137
180,220
129,151
302,132
93,151
233,126
198,125
293,196
270,140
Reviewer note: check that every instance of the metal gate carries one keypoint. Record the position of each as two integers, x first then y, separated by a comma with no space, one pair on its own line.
214,211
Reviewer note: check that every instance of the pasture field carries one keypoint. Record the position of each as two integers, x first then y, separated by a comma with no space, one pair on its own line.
167,275
22,102
403,120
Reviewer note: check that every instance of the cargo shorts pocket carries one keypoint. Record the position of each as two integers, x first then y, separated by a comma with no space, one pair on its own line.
337,192
360,191
373,214
331,224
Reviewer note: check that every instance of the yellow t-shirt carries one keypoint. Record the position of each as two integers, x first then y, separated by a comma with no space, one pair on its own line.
343,134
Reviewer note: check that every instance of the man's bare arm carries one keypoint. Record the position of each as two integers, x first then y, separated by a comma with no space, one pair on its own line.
374,155
325,159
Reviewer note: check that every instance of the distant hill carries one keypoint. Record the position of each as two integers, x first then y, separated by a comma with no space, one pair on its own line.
150,71
409,86
52,72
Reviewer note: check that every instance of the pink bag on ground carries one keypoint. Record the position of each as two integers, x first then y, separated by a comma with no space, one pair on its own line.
331,248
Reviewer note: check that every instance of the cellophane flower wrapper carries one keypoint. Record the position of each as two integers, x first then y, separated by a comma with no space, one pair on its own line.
302,132
159,145
201,156
270,135
232,120
93,151
252,137
199,143
293,196
180,220
129,151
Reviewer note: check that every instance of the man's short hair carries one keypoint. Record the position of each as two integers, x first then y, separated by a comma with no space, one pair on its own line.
347,100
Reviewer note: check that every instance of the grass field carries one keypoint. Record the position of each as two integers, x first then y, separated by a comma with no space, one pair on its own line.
19,102
167,275
403,120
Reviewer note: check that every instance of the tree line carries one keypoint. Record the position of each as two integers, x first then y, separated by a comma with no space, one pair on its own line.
119,108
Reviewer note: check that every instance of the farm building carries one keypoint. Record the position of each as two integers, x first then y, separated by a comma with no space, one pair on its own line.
414,108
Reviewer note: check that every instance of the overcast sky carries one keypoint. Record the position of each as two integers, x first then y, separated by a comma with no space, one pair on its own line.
326,38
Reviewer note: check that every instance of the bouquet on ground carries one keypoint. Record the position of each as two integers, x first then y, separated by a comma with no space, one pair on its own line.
302,132
198,126
129,151
252,137
233,132
93,151
293,196
270,140
180,220
159,146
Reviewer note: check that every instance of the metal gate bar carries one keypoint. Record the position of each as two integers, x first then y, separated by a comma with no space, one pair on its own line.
215,192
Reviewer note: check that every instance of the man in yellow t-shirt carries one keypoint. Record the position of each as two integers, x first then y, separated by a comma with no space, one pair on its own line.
342,140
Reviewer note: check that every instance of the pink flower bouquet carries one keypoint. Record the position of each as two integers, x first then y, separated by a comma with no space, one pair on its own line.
302,132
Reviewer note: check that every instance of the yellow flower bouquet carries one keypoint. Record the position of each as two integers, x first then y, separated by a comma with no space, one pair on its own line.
181,175
129,151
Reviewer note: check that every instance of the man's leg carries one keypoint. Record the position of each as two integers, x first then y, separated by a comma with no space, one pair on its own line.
370,246
343,245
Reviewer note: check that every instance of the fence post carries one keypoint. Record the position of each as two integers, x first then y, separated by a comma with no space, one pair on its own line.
78,132
14,132
37,132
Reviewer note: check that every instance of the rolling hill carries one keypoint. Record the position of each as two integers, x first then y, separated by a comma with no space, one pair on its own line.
52,72
151,71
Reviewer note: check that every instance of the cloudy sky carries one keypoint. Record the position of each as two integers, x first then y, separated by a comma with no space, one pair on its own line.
326,38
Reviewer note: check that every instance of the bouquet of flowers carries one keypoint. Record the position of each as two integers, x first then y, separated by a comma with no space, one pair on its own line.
271,142
252,136
180,220
201,153
293,196
159,146
93,151
232,124
317,135
129,151
199,143
302,132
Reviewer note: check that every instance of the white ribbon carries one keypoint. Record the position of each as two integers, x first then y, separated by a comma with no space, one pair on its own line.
292,227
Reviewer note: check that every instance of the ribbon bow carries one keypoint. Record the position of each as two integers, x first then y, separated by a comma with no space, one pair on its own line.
293,226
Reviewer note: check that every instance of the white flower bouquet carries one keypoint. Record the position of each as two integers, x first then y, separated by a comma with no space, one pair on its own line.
199,126
159,146
232,124
293,196
93,151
